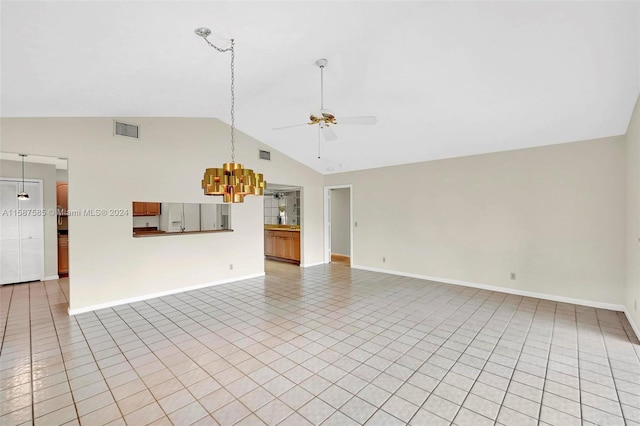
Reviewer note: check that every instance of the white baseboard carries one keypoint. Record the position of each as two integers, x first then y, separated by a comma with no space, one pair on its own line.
635,327
552,297
308,265
159,294
52,277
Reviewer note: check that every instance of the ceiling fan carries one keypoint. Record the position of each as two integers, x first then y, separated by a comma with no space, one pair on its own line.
325,118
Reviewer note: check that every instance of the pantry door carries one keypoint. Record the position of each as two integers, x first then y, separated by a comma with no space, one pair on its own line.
21,232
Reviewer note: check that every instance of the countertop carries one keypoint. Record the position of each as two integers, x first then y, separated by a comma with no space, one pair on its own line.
287,228
157,233
146,230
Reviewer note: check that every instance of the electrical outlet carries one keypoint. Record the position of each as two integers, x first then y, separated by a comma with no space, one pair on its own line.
231,266
384,259
513,275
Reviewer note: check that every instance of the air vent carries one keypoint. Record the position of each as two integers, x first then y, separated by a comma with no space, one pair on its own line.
126,129
265,155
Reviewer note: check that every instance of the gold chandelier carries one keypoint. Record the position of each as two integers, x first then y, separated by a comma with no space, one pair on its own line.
232,181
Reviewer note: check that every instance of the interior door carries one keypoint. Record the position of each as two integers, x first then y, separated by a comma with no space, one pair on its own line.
9,233
21,233
31,234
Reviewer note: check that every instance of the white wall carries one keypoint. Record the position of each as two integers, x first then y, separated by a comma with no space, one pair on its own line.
62,175
46,172
146,221
554,215
110,172
340,217
632,290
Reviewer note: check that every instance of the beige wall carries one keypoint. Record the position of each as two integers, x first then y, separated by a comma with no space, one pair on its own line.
553,215
46,172
632,293
108,265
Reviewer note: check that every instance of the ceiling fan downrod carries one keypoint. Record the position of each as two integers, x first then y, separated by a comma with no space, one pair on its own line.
321,63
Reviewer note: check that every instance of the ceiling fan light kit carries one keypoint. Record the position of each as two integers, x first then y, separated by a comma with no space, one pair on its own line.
232,181
325,118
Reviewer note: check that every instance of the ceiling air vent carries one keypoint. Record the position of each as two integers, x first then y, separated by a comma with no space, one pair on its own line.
265,155
126,129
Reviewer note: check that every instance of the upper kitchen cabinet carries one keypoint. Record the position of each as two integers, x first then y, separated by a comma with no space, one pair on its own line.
146,209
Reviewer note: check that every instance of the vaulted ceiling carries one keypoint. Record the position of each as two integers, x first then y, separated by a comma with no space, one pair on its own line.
445,79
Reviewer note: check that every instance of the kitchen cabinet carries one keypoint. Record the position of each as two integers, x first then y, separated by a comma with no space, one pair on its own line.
61,196
146,209
63,254
153,209
282,245
269,243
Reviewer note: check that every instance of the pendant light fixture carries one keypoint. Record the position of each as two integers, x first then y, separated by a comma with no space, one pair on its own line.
23,196
232,181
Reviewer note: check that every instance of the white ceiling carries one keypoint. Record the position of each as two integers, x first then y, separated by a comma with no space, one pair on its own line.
445,79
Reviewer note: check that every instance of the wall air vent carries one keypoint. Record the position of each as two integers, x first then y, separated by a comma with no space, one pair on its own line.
264,155
126,129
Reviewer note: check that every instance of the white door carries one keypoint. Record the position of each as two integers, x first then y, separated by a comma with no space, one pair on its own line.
31,234
9,233
21,232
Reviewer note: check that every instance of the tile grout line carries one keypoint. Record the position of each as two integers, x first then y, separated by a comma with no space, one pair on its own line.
613,378
75,406
546,369
33,405
522,299
397,327
577,322
439,347
413,346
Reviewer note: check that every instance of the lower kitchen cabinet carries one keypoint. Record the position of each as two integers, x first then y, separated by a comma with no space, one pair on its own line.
63,254
282,245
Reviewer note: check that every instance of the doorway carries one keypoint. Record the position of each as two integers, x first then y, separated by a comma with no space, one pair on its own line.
282,223
48,171
338,228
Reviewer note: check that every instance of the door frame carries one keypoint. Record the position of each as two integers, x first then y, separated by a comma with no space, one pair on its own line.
327,221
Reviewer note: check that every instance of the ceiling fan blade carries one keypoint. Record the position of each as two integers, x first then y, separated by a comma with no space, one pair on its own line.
288,127
368,119
328,133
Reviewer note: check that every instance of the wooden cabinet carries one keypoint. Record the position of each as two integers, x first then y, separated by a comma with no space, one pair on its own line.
61,196
282,245
146,209
296,246
63,254
153,209
269,243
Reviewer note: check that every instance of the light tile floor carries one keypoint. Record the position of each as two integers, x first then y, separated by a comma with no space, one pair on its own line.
323,345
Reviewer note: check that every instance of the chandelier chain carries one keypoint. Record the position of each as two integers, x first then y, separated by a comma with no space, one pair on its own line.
233,96
233,102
